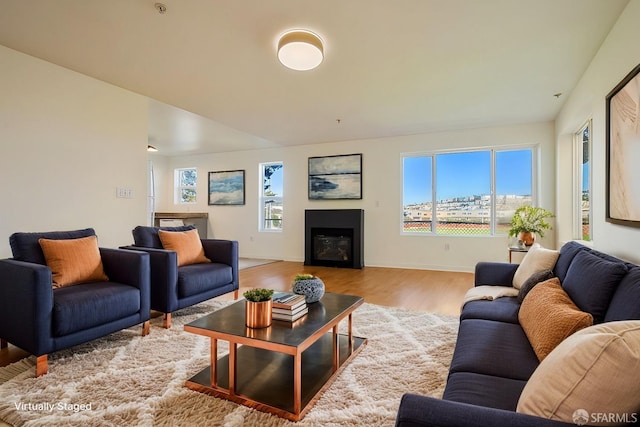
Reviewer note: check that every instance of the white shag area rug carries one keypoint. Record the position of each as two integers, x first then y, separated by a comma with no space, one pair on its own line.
125,379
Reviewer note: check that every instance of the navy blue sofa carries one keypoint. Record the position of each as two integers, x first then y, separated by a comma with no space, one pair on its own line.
173,287
493,358
40,319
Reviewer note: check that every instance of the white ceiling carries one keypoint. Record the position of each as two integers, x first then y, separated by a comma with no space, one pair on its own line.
391,67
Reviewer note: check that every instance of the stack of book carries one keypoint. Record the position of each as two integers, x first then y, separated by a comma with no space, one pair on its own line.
288,306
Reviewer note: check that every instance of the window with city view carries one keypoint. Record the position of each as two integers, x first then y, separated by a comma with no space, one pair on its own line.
271,207
583,190
451,193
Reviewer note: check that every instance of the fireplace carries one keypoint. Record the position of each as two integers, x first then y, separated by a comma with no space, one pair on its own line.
334,238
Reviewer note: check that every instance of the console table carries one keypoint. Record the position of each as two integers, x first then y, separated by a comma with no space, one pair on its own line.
199,220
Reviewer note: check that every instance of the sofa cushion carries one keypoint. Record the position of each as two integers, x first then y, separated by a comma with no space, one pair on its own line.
533,280
548,316
591,282
625,304
197,278
25,246
483,390
502,309
73,261
604,357
493,348
147,237
537,259
80,307
567,252
186,244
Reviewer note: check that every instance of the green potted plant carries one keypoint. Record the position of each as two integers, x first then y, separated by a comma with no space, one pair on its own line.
258,307
529,221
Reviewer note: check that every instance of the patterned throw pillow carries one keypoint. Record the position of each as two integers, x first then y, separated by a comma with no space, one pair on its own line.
548,316
533,280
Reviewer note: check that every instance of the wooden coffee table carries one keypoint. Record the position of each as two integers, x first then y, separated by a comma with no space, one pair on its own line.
281,369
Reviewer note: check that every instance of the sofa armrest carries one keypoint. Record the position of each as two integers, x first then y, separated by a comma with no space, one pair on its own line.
164,276
126,266
495,273
426,411
222,251
26,305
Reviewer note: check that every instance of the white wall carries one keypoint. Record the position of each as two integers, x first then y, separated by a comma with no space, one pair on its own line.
618,55
382,193
67,141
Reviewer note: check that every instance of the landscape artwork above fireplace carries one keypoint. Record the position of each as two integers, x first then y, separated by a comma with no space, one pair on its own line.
334,238
335,177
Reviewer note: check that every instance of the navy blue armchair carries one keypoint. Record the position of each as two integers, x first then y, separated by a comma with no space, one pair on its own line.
41,319
173,287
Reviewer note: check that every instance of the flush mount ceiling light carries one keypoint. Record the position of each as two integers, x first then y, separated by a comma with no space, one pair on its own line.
300,50
151,148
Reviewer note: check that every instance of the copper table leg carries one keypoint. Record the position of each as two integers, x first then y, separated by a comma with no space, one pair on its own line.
214,362
233,359
297,383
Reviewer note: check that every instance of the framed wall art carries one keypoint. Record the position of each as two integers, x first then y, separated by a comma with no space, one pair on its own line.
335,177
623,151
226,188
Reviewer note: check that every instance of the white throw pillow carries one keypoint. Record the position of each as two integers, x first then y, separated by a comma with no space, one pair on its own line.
536,260
594,370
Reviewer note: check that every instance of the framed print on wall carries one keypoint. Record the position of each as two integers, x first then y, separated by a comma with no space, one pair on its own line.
623,151
335,177
226,188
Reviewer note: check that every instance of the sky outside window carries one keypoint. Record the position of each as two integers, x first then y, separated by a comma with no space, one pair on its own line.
513,172
417,180
467,174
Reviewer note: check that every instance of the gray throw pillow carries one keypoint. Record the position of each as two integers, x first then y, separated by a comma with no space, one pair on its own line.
533,280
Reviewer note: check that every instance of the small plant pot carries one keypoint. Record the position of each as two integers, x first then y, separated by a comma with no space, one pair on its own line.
258,314
527,237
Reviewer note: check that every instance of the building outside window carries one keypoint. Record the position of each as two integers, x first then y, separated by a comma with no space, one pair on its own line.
465,193
185,180
583,180
270,199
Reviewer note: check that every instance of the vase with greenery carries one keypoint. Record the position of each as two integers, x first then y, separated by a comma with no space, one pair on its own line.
529,221
310,286
258,307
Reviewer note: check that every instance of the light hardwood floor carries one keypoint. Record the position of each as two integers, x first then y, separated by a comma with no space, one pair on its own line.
422,290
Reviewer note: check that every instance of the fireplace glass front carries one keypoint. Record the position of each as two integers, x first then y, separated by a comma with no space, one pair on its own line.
332,247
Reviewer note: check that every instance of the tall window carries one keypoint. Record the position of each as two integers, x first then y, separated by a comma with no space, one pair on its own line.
185,185
465,193
271,207
583,180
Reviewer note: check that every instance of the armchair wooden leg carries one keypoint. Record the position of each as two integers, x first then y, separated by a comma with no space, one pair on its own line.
145,328
167,321
235,294
3,343
42,366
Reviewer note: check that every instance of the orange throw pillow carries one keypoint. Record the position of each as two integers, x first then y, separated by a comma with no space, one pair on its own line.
186,244
73,261
548,316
